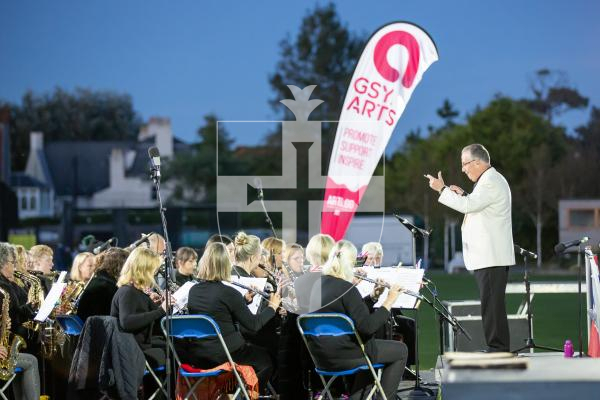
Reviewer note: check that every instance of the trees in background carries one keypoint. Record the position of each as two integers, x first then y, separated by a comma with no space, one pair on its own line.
83,114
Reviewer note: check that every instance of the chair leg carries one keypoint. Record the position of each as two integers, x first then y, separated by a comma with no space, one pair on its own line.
327,386
378,386
6,385
193,387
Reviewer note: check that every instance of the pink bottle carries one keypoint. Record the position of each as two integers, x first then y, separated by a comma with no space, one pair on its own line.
568,349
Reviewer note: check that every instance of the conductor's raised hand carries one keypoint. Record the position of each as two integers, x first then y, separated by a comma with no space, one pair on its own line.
436,184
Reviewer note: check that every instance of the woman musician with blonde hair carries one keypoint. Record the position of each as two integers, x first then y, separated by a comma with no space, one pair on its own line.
82,268
336,293
227,307
132,305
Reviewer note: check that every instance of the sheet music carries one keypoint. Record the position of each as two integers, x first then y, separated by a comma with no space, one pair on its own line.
51,300
61,277
259,283
408,278
182,294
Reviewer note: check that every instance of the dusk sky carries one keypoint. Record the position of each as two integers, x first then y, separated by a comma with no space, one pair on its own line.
184,59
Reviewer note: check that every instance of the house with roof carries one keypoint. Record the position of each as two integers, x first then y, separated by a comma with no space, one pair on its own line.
93,174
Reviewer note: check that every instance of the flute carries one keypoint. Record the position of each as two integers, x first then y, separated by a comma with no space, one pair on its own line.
262,294
387,285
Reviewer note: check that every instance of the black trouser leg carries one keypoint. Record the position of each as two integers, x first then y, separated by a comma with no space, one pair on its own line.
391,353
492,293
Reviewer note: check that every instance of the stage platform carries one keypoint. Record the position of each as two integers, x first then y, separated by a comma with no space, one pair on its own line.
549,376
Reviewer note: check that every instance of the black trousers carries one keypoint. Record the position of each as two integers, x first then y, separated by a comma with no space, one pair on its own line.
391,353
492,293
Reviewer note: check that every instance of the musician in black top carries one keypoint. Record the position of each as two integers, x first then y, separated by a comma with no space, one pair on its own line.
227,307
136,306
337,293
186,259
97,297
27,384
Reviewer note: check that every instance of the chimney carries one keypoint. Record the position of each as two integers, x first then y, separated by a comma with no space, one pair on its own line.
117,167
159,128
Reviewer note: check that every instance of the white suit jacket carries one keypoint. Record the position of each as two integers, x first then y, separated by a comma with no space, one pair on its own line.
487,226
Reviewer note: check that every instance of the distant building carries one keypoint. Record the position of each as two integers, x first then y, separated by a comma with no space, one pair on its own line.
93,174
578,218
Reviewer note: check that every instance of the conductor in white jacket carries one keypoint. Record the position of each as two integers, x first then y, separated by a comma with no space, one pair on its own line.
486,236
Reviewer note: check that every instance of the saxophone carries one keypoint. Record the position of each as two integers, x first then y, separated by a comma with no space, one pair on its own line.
8,365
35,294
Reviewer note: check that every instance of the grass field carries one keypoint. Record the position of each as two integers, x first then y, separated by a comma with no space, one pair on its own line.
554,321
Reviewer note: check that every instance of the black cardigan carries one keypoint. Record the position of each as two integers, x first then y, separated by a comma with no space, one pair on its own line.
227,307
18,310
340,296
97,297
136,314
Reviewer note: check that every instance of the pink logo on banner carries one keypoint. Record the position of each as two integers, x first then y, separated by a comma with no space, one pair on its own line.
383,66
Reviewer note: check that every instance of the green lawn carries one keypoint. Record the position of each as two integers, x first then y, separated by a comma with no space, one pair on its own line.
555,315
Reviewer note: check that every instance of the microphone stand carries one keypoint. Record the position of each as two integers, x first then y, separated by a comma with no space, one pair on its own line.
445,315
414,230
579,252
155,174
267,218
529,343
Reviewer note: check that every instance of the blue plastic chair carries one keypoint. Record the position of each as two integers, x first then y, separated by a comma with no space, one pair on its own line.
8,382
70,324
161,383
335,324
199,327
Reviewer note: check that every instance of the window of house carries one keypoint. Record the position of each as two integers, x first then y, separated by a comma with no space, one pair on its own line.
23,202
582,218
32,201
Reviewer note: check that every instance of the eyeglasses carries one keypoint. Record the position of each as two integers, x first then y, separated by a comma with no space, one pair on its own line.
467,163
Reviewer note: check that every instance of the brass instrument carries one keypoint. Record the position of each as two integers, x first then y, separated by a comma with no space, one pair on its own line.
35,294
70,297
8,365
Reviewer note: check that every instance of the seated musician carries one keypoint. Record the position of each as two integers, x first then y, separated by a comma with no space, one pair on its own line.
338,294
135,306
226,240
26,384
294,259
374,253
83,267
186,259
41,258
97,297
247,254
227,307
317,252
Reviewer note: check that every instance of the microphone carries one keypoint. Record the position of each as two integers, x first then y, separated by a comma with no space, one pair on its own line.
411,227
143,239
99,249
154,155
258,186
559,248
525,253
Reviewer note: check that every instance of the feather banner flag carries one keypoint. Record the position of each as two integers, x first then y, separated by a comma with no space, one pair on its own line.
390,67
